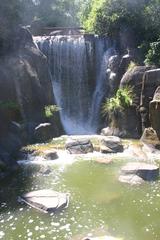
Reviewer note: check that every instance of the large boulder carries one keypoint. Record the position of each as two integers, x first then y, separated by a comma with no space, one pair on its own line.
81,146
130,120
111,144
26,77
150,137
25,89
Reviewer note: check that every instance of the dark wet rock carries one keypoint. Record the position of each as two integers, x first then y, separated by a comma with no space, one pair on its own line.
43,132
111,144
148,172
131,179
50,154
46,200
81,146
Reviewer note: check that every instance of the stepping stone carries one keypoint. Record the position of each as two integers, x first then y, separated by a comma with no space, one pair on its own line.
46,200
111,144
148,172
81,146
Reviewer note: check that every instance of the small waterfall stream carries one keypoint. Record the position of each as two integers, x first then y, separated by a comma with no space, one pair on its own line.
78,66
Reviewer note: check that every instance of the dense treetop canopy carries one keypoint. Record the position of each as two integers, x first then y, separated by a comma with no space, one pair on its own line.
106,17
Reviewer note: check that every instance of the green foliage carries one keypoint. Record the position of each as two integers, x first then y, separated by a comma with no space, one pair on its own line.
153,55
122,100
9,105
50,110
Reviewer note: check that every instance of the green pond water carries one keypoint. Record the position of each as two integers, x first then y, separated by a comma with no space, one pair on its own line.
99,205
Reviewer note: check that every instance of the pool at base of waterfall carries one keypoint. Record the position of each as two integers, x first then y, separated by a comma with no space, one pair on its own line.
99,204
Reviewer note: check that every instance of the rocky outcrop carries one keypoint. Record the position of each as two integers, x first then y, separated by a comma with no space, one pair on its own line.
129,122
81,146
151,138
25,89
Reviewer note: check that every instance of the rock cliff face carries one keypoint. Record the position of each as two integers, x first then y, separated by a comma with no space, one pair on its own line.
25,83
144,112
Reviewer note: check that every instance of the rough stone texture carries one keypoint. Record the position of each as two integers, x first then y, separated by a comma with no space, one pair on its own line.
148,172
154,110
150,82
50,155
110,131
131,119
43,132
24,81
81,146
46,200
131,179
111,144
113,74
150,137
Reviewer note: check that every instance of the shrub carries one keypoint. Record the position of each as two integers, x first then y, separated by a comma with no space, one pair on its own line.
50,110
122,100
153,55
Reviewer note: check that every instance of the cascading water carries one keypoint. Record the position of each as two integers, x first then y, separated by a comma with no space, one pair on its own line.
78,69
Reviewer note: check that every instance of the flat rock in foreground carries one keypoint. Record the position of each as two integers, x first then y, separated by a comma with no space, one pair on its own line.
148,172
46,200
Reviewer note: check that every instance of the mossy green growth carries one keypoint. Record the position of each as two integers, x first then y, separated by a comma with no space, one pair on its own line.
49,110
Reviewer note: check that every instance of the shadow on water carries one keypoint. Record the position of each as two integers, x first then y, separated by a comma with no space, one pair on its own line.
99,204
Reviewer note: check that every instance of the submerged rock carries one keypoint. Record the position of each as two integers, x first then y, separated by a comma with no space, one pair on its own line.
46,200
148,172
81,146
111,144
132,179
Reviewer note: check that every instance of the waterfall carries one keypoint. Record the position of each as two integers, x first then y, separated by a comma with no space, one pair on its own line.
78,69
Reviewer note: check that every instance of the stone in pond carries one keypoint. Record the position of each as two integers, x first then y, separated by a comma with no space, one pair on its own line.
81,146
102,238
131,179
50,155
111,144
148,172
46,200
